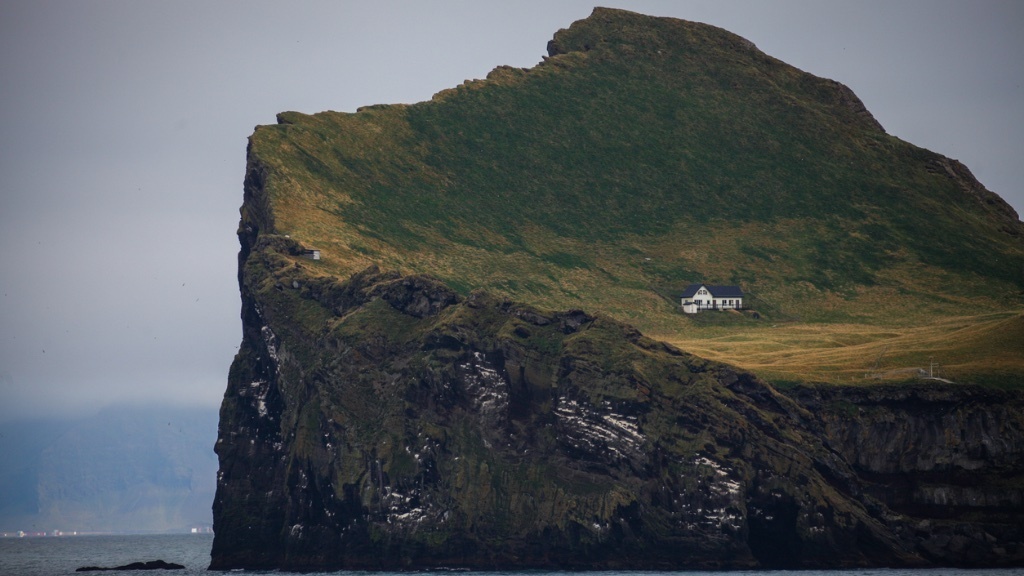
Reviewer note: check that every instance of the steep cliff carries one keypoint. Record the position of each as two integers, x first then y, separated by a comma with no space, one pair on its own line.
384,422
412,401
949,459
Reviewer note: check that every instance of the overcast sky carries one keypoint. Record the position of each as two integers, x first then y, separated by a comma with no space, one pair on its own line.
123,127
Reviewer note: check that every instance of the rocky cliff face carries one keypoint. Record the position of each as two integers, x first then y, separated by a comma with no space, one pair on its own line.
947,459
384,422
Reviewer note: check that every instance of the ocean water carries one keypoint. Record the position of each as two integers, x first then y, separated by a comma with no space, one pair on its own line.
53,556
60,556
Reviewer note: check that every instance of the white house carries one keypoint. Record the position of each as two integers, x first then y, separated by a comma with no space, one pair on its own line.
699,297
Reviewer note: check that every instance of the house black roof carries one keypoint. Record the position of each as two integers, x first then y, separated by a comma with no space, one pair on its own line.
716,291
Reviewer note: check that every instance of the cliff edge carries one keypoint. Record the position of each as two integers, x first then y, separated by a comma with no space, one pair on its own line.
384,422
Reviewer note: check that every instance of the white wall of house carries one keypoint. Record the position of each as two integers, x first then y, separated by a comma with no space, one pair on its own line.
729,303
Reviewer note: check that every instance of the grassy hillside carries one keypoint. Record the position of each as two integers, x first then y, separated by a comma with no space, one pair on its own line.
645,154
984,348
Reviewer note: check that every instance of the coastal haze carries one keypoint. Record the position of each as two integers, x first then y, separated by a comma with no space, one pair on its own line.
123,150
134,469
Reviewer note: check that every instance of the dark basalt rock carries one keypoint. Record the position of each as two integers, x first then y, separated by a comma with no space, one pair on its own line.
151,565
385,423
947,459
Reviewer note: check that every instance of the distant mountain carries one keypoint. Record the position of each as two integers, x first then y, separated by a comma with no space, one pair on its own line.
126,469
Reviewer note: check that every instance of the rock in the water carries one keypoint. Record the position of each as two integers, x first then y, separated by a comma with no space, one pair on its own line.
151,565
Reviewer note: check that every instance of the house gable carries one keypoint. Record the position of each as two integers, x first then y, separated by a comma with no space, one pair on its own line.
691,290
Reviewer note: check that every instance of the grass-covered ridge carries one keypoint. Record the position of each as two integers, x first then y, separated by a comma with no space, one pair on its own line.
644,154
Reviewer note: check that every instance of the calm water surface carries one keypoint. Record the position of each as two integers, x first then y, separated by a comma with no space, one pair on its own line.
61,556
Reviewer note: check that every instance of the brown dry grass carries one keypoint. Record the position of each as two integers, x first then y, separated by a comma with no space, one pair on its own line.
965,348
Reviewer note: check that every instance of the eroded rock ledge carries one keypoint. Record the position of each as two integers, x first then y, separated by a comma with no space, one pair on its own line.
384,422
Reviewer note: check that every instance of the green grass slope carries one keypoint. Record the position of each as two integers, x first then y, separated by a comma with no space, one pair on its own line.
644,154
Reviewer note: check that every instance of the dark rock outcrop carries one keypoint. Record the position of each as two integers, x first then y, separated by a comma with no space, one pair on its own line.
384,423
151,565
947,459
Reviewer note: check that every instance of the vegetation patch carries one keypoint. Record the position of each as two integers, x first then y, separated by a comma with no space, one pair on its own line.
615,173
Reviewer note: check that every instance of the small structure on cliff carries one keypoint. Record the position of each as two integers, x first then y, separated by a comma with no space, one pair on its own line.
699,297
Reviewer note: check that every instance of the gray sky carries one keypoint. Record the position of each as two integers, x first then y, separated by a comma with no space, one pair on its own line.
123,127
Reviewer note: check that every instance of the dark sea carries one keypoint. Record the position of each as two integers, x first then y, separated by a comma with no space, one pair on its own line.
60,556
